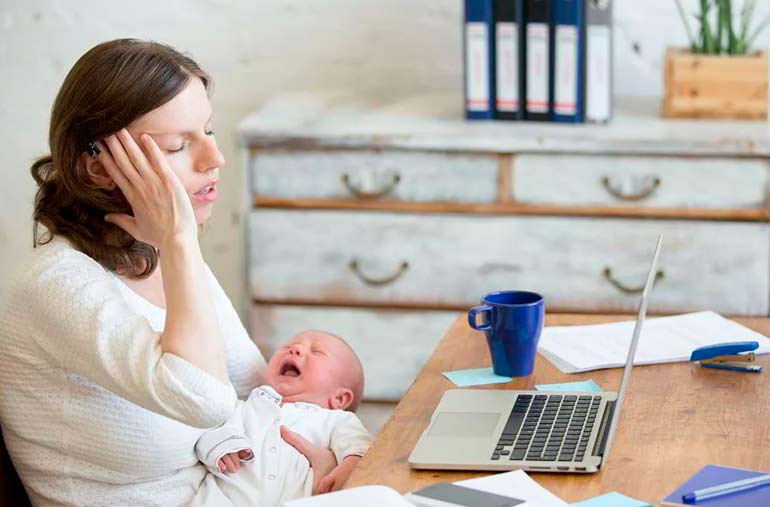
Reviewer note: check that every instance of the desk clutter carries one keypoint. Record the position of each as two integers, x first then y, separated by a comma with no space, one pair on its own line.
574,349
734,488
511,488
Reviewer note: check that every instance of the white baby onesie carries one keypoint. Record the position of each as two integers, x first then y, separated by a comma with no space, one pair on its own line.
277,473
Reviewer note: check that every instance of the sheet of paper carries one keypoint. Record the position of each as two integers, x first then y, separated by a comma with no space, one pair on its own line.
475,377
585,386
518,485
611,500
382,496
575,349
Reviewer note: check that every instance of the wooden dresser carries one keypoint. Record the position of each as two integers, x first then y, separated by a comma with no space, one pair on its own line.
381,219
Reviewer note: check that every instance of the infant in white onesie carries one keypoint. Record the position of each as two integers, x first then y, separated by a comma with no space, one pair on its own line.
314,381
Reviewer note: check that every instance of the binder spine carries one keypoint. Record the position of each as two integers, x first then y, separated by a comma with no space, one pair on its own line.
598,89
509,72
538,42
479,49
568,60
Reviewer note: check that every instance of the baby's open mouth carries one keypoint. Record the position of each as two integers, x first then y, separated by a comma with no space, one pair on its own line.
289,369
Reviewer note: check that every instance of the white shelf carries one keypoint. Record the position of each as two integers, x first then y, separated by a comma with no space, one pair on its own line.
436,122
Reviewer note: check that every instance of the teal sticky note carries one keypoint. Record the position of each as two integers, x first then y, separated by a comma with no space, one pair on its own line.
586,386
611,500
475,377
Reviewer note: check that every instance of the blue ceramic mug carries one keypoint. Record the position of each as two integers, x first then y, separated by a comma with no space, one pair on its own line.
513,323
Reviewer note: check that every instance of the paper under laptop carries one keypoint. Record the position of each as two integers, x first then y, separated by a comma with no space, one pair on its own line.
515,484
574,349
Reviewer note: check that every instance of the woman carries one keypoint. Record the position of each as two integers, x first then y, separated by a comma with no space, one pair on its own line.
118,345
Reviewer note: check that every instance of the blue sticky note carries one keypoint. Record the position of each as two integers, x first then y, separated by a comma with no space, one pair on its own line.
586,386
474,377
611,500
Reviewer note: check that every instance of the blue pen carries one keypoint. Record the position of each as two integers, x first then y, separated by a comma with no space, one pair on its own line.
726,488
755,368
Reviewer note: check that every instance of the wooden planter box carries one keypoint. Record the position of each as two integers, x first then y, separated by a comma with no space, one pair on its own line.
715,86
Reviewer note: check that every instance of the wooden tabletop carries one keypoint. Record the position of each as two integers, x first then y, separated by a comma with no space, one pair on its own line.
677,418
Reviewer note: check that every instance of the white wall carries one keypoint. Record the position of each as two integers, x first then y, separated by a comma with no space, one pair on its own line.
253,49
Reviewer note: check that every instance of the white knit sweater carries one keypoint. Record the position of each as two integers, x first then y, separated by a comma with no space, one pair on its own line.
93,412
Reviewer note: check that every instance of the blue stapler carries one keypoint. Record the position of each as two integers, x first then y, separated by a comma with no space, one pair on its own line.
728,356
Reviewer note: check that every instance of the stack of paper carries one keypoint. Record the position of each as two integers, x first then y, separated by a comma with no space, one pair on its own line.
515,484
575,349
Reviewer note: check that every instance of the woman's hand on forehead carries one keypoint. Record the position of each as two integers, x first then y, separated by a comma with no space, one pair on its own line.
161,208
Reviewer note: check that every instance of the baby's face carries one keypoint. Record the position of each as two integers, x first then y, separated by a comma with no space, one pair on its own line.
313,367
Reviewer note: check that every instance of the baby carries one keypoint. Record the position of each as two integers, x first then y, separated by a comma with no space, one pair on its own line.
313,382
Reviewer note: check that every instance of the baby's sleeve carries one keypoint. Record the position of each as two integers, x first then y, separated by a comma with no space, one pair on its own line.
79,321
213,444
349,436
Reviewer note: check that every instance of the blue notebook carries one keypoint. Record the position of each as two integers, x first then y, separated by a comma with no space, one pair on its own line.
713,475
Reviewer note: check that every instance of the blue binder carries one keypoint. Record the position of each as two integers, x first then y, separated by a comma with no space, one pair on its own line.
714,475
479,45
537,16
510,73
568,60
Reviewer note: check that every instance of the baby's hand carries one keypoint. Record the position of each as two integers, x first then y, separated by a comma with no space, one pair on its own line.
339,476
231,462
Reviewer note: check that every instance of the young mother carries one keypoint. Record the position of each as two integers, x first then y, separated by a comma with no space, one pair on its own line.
118,345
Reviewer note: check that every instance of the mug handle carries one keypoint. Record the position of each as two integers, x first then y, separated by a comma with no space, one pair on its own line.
480,309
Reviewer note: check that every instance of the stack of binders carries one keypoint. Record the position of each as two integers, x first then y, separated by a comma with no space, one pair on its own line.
538,60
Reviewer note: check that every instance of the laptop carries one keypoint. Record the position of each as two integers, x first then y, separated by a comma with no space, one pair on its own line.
537,431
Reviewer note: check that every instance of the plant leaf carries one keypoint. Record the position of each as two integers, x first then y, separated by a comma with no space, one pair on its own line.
686,24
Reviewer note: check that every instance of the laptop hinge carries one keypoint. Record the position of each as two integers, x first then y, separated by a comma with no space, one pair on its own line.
604,429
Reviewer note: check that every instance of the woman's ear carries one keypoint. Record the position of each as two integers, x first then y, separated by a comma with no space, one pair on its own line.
96,172
342,399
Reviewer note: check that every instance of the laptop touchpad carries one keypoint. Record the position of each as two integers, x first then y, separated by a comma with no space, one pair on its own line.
463,424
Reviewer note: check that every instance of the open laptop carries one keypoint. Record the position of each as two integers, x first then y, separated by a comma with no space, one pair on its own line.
539,431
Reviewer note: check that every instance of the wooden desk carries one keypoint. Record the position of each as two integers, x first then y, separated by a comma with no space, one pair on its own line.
676,418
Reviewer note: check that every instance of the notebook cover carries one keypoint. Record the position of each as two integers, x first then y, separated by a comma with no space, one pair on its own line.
713,475
448,494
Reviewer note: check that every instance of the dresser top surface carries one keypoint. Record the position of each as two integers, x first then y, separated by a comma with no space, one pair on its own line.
436,122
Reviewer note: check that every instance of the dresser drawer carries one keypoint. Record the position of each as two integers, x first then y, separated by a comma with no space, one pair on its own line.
640,181
387,175
392,344
439,261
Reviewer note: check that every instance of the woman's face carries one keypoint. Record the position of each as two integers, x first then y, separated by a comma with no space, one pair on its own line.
182,128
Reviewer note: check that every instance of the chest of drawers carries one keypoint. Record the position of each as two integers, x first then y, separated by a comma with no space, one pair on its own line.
381,221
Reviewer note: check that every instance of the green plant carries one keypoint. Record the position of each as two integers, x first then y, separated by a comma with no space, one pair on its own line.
717,34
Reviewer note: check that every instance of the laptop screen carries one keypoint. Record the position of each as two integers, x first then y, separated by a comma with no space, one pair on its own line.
632,349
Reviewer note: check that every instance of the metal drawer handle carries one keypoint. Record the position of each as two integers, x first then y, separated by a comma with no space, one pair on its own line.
653,184
378,281
626,289
376,194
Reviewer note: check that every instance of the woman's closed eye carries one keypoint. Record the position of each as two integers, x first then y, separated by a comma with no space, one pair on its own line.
177,150
184,144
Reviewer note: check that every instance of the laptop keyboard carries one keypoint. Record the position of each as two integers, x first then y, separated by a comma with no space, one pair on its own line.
548,427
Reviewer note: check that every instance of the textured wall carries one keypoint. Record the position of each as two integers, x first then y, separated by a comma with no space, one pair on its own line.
255,49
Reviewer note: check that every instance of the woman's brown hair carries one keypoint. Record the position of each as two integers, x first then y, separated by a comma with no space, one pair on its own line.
108,88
